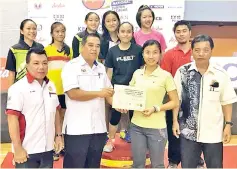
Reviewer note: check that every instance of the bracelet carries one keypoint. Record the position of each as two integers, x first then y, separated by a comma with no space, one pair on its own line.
59,135
157,108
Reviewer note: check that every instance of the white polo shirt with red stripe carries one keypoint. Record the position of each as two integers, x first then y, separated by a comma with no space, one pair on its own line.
35,106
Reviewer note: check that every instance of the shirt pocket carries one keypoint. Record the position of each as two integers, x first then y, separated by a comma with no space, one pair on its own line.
213,95
84,81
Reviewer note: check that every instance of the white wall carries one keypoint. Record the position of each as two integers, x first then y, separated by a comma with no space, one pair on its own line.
12,12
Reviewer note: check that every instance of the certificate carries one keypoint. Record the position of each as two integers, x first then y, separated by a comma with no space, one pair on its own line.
129,98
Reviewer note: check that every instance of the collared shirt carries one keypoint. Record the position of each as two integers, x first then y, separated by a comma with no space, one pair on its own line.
201,116
84,117
174,58
57,60
16,58
156,85
35,106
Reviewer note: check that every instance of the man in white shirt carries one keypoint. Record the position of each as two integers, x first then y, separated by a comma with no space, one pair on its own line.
33,116
206,94
86,85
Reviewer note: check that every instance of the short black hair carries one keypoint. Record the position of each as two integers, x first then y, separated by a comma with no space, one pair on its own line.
35,50
150,43
84,39
139,14
202,38
182,22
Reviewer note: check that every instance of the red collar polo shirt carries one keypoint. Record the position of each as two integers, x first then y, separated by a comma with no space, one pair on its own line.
35,105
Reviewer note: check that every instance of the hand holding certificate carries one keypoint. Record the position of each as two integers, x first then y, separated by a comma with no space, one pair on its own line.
129,98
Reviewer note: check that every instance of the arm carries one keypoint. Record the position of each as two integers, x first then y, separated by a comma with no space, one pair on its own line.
163,43
11,66
13,111
11,78
172,103
81,95
109,100
75,47
110,73
58,126
14,130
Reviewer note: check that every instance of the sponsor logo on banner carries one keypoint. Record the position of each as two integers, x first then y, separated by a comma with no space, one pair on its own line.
121,2
40,40
93,4
37,6
58,17
58,5
230,65
175,18
81,28
121,5
158,18
157,6
175,6
39,27
4,74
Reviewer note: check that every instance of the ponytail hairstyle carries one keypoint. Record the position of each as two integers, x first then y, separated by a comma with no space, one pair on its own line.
22,26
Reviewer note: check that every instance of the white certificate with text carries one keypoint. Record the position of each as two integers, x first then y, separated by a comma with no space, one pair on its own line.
129,98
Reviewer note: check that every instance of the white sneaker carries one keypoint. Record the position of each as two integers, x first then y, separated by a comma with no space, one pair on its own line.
109,147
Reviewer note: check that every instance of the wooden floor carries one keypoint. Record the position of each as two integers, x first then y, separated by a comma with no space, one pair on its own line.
5,148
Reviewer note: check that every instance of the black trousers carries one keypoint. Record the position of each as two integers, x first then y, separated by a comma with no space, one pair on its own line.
38,160
174,155
191,151
83,151
174,143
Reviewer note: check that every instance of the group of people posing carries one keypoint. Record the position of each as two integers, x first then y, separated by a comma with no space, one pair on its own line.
59,96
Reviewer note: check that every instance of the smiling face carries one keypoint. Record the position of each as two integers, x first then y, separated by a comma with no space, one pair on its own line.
92,22
151,55
29,31
38,66
146,19
125,33
111,22
182,34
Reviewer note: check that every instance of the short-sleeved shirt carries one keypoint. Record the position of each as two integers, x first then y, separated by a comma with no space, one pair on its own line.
84,117
201,117
57,60
157,84
141,38
16,58
35,106
174,59
124,63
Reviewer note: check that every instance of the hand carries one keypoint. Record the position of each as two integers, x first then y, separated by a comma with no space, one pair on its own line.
148,112
20,155
106,92
122,110
175,128
58,144
227,134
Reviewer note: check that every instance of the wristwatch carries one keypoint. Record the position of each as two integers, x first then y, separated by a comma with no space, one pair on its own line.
229,122
59,135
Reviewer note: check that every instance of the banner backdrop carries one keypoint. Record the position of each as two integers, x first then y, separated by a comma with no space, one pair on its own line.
72,14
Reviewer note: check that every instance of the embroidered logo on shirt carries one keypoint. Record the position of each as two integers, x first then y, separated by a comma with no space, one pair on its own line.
83,70
50,88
